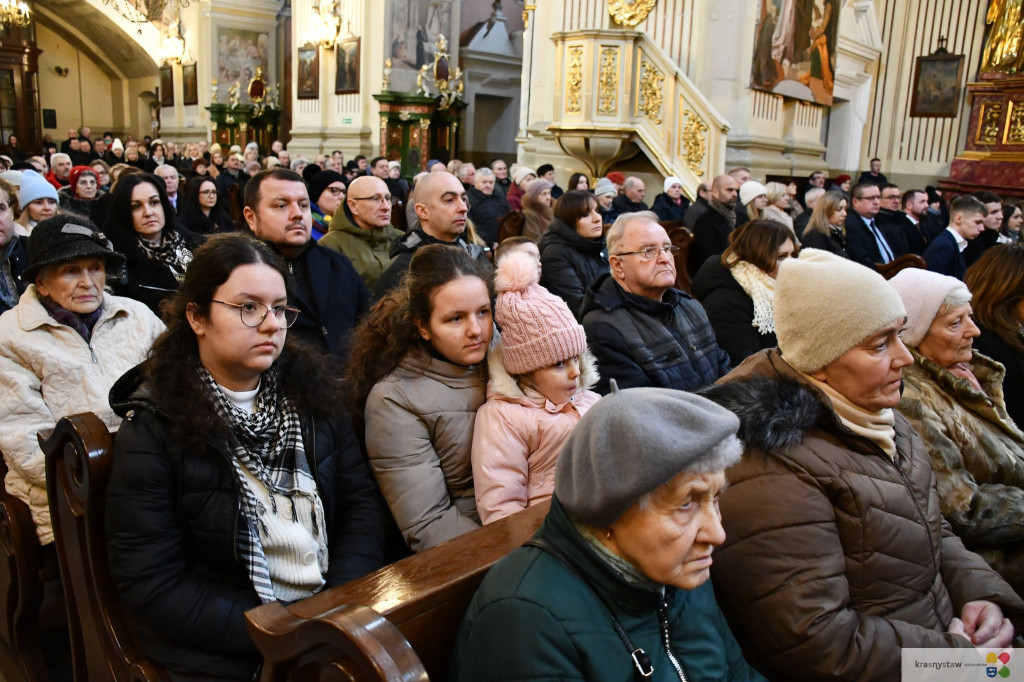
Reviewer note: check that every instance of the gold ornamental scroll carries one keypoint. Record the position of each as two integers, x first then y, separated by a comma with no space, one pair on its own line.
1004,47
630,12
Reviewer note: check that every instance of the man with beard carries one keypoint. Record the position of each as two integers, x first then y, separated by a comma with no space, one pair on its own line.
711,231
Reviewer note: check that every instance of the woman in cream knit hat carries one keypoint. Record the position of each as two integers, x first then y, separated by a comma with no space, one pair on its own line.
836,555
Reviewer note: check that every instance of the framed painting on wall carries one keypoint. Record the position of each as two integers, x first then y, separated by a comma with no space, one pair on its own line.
166,86
308,82
937,82
239,51
189,85
346,79
795,48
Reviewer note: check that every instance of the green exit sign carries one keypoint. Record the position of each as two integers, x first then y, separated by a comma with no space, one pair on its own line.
347,119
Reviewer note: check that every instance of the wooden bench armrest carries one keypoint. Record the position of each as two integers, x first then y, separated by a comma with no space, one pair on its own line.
907,260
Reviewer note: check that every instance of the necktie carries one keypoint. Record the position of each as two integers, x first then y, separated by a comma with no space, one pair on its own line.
883,246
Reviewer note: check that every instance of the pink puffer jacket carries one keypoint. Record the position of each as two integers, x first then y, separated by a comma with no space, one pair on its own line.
516,440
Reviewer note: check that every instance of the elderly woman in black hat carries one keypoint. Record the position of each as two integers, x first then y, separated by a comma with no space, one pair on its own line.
62,347
614,585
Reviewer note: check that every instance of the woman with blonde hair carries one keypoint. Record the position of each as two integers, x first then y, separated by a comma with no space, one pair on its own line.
825,230
778,204
754,197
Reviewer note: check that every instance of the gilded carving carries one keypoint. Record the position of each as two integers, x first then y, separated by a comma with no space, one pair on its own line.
424,123
608,81
650,92
692,144
988,126
630,12
1004,47
1014,133
574,81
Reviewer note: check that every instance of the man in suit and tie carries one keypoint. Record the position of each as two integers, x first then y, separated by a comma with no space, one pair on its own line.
865,239
945,253
890,219
914,203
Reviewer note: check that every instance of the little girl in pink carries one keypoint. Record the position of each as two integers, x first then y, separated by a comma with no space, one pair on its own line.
540,375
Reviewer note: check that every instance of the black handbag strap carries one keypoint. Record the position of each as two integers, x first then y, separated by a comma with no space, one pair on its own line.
641,660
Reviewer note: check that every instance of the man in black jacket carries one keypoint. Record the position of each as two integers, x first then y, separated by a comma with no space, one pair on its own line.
632,198
486,205
328,290
441,205
890,219
916,230
711,231
642,331
993,223
865,241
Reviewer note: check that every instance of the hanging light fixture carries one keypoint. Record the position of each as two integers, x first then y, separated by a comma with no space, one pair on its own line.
173,49
139,12
14,13
326,23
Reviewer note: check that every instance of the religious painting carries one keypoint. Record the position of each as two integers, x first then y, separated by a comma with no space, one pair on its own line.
346,79
166,86
189,84
308,79
937,82
414,26
795,49
239,52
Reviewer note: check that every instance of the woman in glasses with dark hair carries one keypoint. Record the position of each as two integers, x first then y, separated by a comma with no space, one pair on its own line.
235,482
204,212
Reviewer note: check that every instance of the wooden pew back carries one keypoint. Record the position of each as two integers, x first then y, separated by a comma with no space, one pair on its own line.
398,623
104,646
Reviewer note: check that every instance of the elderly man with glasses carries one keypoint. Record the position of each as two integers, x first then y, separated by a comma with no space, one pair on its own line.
642,330
361,228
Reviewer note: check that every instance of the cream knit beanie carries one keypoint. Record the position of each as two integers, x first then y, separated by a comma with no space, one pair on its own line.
825,305
537,329
923,292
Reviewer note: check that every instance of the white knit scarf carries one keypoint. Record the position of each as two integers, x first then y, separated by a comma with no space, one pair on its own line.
760,286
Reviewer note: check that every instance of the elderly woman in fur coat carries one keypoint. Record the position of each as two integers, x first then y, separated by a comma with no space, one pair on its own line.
954,399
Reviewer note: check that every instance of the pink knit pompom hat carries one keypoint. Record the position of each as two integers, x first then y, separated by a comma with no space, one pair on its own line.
537,329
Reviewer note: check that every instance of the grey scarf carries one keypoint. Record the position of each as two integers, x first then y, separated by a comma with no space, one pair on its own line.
725,210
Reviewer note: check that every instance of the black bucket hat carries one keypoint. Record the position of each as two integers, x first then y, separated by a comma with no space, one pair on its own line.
64,238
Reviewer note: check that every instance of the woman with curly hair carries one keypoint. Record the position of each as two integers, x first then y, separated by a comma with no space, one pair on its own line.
235,482
417,375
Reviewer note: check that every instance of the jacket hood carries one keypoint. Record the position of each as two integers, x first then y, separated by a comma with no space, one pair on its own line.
130,392
501,384
343,222
560,233
606,294
415,240
420,362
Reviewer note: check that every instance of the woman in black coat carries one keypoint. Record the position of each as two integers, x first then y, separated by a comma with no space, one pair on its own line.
737,289
996,283
234,481
572,250
204,212
141,224
671,205
826,227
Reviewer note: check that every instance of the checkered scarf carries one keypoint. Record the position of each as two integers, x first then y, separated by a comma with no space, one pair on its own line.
268,444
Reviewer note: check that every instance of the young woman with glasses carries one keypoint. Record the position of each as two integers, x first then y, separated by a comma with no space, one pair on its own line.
235,481
204,212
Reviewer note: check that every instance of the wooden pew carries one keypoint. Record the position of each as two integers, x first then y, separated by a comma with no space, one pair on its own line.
104,646
21,591
908,260
683,238
398,623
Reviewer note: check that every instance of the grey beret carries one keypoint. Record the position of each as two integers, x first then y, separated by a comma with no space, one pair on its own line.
632,441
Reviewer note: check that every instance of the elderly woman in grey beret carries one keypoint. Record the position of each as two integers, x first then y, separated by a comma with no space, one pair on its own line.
614,585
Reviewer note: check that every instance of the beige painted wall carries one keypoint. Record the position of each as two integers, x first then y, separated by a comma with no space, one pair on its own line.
85,96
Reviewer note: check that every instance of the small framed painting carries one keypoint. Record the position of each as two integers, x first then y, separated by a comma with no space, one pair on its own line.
346,80
308,81
937,83
166,86
189,85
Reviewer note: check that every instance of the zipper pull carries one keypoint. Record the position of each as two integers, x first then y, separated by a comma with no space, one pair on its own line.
92,353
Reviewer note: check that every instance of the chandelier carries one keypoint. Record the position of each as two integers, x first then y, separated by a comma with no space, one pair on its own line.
173,50
326,24
139,12
14,12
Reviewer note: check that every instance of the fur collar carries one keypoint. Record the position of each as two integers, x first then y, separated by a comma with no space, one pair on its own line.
774,412
502,384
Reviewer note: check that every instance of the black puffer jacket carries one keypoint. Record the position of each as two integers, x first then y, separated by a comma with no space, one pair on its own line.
172,512
145,280
402,251
570,263
642,342
730,310
484,211
668,209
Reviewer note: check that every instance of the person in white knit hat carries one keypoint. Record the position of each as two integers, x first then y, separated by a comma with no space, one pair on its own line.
953,396
671,204
754,197
836,554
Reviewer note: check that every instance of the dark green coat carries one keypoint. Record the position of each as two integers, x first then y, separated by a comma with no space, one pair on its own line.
532,619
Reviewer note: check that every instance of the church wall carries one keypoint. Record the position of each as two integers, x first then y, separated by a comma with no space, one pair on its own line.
86,96
919,150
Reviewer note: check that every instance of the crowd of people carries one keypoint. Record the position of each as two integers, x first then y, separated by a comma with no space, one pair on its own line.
315,367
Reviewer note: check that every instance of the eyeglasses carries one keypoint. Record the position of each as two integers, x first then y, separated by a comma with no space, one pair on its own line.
253,313
376,199
208,192
336,191
651,252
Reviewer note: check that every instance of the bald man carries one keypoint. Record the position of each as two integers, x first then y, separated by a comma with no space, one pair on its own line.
442,208
711,231
361,228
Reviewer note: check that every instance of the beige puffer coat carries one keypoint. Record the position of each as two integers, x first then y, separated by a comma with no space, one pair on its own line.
48,371
419,436
836,556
